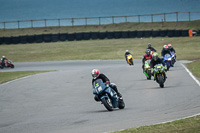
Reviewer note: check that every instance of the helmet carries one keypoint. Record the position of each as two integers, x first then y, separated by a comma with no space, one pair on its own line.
148,51
95,73
3,56
169,46
127,50
155,56
165,47
149,45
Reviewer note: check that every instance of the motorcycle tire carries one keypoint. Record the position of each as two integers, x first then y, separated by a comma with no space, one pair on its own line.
107,103
121,104
149,74
12,66
161,81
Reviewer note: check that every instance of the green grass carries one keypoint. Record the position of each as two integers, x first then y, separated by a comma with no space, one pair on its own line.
194,67
194,25
12,75
189,125
187,48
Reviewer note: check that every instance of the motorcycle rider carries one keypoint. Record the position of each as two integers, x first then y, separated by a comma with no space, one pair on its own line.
127,53
147,56
3,61
171,49
165,51
151,48
154,61
97,75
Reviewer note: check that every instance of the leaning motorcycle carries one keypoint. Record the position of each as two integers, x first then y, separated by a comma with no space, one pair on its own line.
107,96
168,61
160,74
173,58
8,63
147,69
129,59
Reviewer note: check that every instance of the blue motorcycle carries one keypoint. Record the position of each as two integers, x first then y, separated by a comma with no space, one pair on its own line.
107,96
168,61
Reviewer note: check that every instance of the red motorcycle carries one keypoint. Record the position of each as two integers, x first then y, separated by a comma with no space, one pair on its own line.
8,63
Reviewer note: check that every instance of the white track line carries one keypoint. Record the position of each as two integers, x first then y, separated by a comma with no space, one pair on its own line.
197,81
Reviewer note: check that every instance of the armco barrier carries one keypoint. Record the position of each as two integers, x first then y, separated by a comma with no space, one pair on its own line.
39,38
92,35
63,36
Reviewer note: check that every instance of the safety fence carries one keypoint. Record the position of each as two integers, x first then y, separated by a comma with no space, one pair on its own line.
91,35
161,17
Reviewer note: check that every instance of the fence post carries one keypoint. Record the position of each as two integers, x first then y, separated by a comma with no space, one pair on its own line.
189,17
126,19
99,20
59,22
86,21
176,17
45,22
72,21
113,20
31,23
18,24
4,25
152,18
139,18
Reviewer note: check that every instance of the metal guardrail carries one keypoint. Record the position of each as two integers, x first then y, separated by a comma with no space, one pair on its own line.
162,17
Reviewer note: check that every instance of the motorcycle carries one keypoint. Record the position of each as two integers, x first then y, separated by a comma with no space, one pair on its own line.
147,69
168,61
160,74
129,59
8,63
173,58
107,96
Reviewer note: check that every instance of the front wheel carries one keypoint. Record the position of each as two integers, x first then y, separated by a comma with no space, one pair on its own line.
161,81
149,74
107,103
121,104
12,66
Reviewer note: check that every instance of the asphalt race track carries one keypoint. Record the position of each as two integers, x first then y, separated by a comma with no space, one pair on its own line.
62,101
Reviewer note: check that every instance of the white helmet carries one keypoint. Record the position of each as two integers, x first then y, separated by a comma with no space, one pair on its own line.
127,50
3,56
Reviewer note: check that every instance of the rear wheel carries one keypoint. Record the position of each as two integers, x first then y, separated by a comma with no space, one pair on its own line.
107,103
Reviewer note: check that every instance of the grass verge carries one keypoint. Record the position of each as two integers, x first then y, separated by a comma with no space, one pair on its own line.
194,67
189,125
187,48
12,75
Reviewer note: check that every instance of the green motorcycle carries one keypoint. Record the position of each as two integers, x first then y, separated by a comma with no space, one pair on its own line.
147,69
159,74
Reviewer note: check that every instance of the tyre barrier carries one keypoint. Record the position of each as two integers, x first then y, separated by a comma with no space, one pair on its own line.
63,36
92,35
